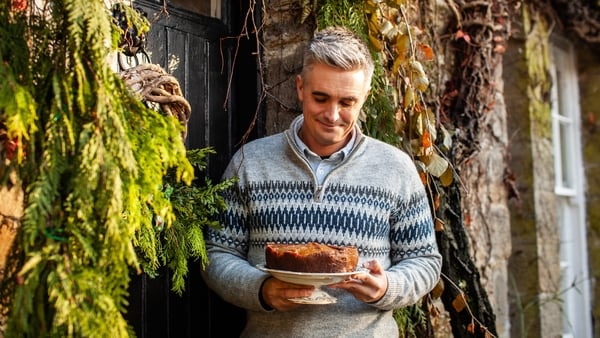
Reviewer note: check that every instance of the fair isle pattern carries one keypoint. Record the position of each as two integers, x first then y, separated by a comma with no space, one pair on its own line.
286,212
374,199
374,219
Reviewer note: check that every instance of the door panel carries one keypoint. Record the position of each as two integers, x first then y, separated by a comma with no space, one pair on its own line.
189,47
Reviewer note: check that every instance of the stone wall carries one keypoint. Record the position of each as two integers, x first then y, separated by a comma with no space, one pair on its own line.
486,199
284,38
485,204
523,268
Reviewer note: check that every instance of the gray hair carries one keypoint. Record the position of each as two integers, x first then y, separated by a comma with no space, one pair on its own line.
340,48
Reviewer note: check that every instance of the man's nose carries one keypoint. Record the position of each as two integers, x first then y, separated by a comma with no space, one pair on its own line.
333,112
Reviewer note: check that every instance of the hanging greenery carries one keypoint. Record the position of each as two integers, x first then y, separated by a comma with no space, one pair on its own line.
109,185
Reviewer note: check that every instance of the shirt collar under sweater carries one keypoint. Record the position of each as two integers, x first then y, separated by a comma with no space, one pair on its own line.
315,159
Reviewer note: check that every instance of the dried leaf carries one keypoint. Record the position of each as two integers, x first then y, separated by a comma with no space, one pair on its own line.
409,97
468,220
418,76
459,303
375,42
426,139
402,47
423,177
388,30
399,120
438,289
437,165
436,201
447,177
447,139
424,52
439,224
421,83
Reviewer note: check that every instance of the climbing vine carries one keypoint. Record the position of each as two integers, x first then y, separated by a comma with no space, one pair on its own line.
439,132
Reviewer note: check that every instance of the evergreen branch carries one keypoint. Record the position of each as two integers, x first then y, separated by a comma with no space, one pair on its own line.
194,207
94,174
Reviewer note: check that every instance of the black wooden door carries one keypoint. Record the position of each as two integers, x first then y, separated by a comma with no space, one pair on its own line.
194,49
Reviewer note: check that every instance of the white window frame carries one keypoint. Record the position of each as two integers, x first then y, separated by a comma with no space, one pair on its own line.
569,189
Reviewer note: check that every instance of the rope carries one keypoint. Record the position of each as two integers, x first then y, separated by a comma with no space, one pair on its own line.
159,90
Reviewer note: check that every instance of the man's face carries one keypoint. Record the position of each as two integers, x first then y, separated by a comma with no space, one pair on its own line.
331,102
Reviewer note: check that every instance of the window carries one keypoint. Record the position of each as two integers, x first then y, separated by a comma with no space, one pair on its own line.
568,165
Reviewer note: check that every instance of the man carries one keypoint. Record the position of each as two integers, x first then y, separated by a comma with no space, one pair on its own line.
323,180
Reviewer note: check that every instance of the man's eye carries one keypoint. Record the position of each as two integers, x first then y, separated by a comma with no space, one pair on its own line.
320,99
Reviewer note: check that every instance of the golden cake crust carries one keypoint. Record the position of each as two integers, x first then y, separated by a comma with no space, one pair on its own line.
311,257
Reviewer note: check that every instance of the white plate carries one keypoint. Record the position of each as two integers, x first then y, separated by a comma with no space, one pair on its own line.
304,278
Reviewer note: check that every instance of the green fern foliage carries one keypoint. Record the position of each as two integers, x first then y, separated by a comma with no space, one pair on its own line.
96,165
194,207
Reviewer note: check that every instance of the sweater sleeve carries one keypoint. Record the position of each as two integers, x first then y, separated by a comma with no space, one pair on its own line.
233,278
229,272
416,261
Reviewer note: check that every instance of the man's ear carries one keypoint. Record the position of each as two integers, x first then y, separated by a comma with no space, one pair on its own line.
299,87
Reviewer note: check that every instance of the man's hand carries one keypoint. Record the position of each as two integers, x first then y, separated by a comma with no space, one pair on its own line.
277,294
367,286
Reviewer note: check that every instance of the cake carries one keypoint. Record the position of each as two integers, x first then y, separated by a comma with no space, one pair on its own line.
311,257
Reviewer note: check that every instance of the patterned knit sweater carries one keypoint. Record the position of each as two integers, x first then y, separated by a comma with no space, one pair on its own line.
373,200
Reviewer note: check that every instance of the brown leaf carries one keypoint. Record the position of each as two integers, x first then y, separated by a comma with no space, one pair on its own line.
438,289
437,200
459,303
439,224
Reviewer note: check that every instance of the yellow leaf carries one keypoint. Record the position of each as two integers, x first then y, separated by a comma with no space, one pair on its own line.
409,97
447,177
418,76
437,165
402,47
421,83
388,30
377,45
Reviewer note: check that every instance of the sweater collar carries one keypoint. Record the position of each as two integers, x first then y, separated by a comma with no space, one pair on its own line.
344,152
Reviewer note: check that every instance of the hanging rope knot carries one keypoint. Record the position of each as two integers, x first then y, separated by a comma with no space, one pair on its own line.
159,91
